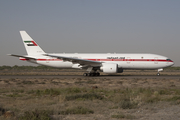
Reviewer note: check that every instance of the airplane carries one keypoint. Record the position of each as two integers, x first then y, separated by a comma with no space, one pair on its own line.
93,63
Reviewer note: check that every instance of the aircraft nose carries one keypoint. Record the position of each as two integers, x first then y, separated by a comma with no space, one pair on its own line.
171,63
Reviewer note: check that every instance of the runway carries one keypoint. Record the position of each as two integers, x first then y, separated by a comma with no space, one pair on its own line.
80,76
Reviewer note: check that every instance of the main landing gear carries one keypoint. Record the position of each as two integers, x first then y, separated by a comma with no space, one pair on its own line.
91,71
92,74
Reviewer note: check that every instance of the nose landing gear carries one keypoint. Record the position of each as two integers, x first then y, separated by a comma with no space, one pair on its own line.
159,70
158,74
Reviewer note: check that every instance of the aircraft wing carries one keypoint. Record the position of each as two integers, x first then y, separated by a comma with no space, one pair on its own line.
77,60
21,56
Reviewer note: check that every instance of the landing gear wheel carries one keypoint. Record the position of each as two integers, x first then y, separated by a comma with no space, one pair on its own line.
85,74
91,74
158,74
88,74
95,74
98,74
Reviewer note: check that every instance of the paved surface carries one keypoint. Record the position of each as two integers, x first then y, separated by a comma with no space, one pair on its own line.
80,76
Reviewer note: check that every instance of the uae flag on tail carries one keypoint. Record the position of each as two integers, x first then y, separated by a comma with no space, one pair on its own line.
30,43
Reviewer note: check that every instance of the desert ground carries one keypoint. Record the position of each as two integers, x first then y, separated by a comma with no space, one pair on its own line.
53,94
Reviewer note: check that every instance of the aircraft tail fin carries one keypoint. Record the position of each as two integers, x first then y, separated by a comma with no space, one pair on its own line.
31,46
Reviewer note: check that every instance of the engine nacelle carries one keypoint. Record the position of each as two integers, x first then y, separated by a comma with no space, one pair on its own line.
109,68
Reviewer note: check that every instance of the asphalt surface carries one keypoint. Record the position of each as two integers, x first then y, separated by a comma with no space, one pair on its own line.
80,76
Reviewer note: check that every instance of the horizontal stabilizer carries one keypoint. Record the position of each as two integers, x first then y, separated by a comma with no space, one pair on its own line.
21,56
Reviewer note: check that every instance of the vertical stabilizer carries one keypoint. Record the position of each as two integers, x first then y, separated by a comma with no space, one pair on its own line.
31,46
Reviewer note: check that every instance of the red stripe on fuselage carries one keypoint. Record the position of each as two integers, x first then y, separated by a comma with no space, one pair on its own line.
139,60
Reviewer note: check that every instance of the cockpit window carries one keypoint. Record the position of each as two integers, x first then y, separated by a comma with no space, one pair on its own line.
168,59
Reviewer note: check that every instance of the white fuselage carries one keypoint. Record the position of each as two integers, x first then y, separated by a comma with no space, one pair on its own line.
124,61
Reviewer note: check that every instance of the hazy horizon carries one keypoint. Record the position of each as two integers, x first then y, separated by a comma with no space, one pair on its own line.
94,26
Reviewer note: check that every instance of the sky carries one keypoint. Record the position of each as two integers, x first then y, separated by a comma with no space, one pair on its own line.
90,26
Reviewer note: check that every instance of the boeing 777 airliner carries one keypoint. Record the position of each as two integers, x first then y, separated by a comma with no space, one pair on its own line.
93,63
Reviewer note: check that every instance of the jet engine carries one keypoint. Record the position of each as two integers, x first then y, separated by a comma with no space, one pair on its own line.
110,68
